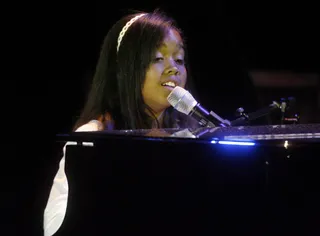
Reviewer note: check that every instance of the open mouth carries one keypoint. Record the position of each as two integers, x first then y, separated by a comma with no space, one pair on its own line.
169,84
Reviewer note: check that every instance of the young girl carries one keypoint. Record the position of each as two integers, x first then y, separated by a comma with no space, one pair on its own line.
143,57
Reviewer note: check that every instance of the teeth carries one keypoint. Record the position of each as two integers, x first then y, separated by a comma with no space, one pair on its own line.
171,84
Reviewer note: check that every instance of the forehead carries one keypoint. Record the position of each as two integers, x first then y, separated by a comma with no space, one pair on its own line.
172,38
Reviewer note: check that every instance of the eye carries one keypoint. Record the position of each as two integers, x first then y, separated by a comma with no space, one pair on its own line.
157,59
180,61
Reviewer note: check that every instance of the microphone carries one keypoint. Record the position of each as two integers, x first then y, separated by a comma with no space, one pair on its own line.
181,100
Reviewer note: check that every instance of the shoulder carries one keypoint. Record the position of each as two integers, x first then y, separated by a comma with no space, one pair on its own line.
93,125
181,120
186,121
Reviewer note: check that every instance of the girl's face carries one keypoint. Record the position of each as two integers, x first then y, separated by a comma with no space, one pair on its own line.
166,71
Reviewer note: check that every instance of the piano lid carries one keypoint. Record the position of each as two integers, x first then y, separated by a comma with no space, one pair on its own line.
268,132
304,132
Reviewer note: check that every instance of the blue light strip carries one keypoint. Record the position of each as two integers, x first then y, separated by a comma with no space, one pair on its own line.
233,143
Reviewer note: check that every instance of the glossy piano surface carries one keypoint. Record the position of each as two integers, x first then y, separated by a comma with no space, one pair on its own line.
264,135
258,180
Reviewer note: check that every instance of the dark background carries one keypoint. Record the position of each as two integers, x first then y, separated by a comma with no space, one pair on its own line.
227,42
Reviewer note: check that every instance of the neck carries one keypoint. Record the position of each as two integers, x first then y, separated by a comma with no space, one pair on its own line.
159,117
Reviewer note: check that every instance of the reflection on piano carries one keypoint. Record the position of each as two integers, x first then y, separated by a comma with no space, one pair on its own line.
259,180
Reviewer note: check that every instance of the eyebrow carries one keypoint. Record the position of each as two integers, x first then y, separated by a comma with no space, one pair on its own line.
180,46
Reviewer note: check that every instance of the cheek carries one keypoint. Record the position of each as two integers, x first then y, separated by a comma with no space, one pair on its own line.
153,76
183,76
151,72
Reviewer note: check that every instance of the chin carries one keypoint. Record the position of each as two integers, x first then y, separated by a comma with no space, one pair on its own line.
166,104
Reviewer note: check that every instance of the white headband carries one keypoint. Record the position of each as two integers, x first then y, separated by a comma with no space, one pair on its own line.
126,27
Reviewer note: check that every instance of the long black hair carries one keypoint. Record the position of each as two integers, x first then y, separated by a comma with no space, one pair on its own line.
117,83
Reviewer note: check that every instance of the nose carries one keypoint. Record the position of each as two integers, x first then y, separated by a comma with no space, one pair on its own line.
172,70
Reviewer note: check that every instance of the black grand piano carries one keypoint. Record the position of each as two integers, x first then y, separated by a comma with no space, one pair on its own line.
244,180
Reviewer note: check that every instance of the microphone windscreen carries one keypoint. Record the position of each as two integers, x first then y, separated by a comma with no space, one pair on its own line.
181,100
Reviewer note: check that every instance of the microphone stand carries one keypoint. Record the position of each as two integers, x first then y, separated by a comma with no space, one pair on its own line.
246,118
223,122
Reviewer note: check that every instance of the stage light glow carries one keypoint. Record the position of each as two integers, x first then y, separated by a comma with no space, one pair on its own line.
233,143
237,143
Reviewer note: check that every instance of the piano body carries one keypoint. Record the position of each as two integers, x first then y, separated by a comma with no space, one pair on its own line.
248,180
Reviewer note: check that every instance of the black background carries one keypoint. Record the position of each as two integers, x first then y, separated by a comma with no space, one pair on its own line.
58,45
